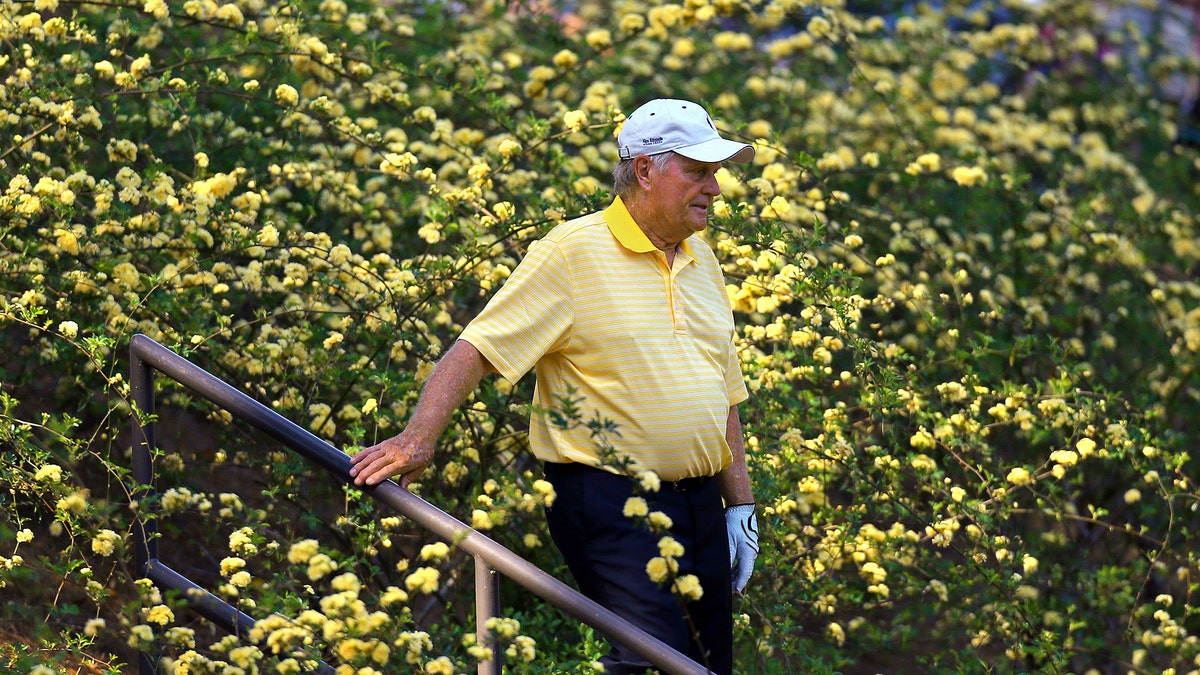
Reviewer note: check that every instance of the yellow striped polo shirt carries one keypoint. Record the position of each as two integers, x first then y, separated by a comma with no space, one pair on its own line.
595,310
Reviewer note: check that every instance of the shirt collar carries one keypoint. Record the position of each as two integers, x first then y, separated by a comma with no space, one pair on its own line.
628,233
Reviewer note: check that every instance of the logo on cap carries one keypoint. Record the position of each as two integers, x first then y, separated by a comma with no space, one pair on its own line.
654,140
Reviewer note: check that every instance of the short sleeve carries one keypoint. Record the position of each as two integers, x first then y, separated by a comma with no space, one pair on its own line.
530,316
735,382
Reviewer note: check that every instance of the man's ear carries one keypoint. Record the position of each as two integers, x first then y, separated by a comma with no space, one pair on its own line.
643,168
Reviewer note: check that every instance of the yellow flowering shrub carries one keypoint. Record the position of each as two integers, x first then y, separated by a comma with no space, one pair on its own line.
961,267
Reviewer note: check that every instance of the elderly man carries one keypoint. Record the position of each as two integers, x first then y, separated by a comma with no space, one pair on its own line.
625,311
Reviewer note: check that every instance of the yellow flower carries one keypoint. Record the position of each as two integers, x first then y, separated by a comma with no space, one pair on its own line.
688,586
598,39
669,547
346,582
479,172
268,235
546,489
926,163
1019,476
392,595
508,147
398,164
968,176
301,551
230,565
566,59
943,531
1065,457
585,185
923,463
127,274
49,473
156,8
666,15
503,628
504,210
431,232
873,572
414,643
522,648
320,565
287,94
140,65
160,614
683,48
122,150
423,580
436,551
480,520
660,521
105,542
658,569
632,23
779,207
922,440
140,634
635,507
66,240
231,15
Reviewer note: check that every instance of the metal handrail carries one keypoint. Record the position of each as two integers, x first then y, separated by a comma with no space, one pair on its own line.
146,356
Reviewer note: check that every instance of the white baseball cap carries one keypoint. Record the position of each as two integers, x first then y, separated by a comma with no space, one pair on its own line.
668,124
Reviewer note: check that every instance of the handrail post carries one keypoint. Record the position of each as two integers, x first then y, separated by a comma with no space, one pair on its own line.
141,389
145,524
487,606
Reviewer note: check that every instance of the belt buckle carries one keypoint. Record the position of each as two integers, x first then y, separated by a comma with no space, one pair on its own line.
687,484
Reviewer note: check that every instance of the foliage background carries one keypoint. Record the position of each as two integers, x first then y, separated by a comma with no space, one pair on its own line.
962,266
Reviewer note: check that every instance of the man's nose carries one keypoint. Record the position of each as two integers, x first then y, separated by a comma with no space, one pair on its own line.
711,186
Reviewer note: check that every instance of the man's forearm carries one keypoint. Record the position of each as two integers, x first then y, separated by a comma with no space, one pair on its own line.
456,375
735,478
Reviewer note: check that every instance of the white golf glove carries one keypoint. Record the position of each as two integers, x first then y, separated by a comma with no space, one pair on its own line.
742,527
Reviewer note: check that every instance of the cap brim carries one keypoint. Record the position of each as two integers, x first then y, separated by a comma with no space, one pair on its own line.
718,150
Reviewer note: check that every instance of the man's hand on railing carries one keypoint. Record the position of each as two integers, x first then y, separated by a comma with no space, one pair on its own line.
401,455
407,454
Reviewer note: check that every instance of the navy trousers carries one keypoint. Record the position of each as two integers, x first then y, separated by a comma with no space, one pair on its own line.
607,554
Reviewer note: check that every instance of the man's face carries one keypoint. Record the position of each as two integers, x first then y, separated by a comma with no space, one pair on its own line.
680,195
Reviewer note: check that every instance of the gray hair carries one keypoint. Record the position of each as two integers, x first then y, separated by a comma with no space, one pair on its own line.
624,179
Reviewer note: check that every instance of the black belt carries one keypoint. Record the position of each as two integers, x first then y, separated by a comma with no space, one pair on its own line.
685,484
682,485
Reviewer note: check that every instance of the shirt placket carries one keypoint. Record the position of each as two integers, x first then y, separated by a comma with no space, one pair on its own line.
674,297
